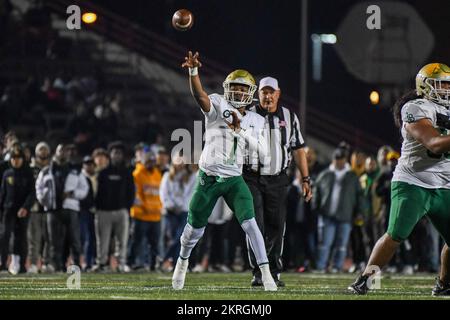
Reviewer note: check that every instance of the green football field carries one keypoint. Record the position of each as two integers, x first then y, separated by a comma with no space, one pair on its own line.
215,286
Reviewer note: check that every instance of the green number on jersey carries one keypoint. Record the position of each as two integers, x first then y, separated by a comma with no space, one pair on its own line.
232,158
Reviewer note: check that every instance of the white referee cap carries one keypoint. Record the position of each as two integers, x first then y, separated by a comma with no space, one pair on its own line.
268,82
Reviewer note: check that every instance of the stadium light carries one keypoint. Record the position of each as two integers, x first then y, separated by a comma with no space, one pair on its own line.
374,97
328,38
89,17
318,40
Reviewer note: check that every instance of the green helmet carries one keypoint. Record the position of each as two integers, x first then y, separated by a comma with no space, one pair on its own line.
239,99
429,83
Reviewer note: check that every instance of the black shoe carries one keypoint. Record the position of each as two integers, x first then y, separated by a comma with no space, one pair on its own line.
359,286
257,282
280,283
441,288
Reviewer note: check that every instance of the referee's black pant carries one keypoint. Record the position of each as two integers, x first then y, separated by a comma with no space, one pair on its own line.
269,199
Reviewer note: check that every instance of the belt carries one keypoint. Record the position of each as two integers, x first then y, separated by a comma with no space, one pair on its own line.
208,178
282,172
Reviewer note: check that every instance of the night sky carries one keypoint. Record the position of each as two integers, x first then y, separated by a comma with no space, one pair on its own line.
264,38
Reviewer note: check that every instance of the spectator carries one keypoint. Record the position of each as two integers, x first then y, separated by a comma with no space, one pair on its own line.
101,159
382,158
9,140
363,223
87,211
139,151
146,211
177,187
162,158
17,195
27,152
59,189
114,198
358,160
301,224
37,228
337,196
73,160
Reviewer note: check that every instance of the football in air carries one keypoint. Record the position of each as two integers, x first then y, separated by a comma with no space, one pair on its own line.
182,20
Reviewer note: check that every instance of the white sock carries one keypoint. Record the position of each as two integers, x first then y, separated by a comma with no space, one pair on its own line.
15,259
256,240
189,239
265,270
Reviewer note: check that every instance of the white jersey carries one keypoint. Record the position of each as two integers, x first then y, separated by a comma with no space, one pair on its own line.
417,165
224,150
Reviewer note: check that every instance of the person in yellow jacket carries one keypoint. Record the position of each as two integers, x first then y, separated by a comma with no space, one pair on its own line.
146,212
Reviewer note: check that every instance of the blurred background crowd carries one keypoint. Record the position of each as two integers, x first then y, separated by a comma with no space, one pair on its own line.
86,118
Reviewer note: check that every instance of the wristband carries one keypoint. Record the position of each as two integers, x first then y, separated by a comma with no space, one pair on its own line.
306,179
193,71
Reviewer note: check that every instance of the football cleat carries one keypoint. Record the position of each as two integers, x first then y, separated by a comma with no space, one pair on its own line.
179,274
257,282
360,285
441,288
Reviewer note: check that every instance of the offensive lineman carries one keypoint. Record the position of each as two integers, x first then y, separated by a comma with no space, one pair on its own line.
421,182
228,129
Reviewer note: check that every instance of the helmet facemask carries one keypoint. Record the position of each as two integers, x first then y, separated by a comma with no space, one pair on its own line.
436,92
236,98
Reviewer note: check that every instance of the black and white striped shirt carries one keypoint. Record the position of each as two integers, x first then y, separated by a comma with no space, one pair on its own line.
283,136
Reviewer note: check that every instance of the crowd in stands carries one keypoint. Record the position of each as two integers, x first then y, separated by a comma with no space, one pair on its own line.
84,198
110,210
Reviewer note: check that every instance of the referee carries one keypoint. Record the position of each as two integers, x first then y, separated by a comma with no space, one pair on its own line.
267,178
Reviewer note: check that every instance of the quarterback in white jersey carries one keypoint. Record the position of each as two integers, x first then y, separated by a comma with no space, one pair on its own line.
421,182
229,128
224,150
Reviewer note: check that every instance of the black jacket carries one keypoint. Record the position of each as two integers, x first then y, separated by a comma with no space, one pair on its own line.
4,165
60,172
89,201
17,189
115,189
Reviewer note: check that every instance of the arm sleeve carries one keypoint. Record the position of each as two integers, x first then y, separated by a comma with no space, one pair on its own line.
297,140
215,100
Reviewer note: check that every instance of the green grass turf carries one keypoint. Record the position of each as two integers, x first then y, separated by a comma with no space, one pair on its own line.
210,286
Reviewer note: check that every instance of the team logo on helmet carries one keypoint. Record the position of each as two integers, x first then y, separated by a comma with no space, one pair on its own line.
244,80
430,83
